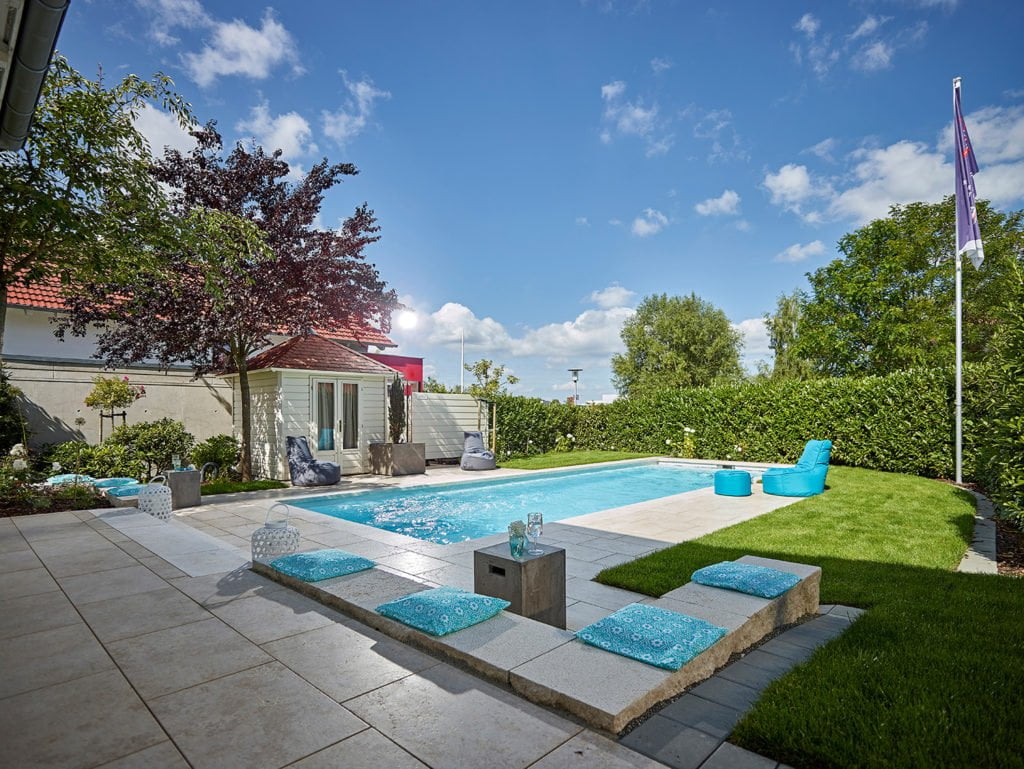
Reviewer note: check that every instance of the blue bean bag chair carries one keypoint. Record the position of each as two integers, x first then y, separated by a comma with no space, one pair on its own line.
806,478
305,470
474,455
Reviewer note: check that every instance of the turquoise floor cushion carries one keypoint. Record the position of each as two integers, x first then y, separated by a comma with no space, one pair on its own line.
321,564
443,610
110,483
746,578
60,480
659,637
128,490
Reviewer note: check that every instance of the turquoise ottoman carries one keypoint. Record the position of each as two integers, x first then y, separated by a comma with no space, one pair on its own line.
732,483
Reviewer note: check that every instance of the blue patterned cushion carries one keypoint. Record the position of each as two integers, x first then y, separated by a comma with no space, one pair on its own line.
746,578
110,483
321,564
59,480
443,610
659,637
128,490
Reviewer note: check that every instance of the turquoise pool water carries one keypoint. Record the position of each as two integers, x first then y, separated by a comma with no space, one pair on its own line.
457,512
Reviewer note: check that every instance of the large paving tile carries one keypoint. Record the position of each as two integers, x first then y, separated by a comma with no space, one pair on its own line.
728,693
461,721
704,715
412,563
81,542
88,561
218,589
367,750
504,642
671,743
49,657
168,660
17,584
346,661
263,717
102,585
33,613
78,724
161,756
374,549
335,538
600,595
451,575
132,615
729,756
19,560
267,618
588,750
580,614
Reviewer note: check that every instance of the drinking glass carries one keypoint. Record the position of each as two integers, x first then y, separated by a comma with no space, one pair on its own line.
534,528
516,538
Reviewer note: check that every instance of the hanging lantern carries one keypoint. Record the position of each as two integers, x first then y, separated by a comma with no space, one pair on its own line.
276,537
155,499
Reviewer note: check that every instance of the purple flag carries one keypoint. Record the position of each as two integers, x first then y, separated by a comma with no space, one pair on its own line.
968,235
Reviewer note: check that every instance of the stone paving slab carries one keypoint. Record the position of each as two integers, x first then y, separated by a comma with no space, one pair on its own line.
671,743
367,750
981,557
592,751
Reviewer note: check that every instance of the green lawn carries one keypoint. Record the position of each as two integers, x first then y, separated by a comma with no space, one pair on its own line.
931,676
567,458
232,487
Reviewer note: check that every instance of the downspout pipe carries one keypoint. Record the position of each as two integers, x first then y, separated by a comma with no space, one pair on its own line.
41,21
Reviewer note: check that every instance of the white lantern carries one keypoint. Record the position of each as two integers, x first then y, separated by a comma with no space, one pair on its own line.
275,537
155,499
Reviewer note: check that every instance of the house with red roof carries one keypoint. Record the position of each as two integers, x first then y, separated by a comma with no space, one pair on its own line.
326,385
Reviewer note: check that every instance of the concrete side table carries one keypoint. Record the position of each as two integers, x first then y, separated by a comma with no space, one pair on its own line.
534,584
184,485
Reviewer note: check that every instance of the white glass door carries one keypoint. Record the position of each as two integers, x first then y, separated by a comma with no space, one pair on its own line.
325,419
351,428
337,424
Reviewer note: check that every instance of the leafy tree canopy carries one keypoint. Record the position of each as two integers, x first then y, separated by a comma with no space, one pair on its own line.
783,327
887,304
677,341
491,379
79,199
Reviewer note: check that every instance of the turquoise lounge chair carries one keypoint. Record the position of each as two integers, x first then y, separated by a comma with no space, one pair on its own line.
806,478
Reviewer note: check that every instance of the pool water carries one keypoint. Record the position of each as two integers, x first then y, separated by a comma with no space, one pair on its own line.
458,512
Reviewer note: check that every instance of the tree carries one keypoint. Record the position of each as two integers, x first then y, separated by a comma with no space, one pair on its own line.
887,304
79,198
432,385
678,341
783,326
255,266
491,379
109,393
396,409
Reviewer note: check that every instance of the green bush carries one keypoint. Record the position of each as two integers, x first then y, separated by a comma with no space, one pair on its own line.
155,442
104,461
901,422
222,450
12,422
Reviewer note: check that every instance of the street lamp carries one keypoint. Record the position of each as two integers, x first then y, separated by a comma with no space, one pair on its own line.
575,385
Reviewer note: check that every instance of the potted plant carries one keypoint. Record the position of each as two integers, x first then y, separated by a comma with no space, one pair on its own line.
397,457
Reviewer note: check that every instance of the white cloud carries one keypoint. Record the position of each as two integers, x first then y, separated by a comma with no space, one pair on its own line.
235,48
582,221
447,325
808,24
869,26
823,149
659,65
755,338
612,296
742,225
717,126
873,57
288,132
798,252
792,187
651,222
167,15
727,203
624,118
351,118
161,129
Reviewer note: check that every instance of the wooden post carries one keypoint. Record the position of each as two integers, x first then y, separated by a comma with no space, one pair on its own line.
494,427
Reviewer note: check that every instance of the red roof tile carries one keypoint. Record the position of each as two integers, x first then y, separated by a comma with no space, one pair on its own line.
46,295
316,353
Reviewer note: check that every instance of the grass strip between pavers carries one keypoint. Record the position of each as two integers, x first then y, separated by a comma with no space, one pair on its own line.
932,675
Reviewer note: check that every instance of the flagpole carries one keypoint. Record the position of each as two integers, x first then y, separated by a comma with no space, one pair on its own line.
958,398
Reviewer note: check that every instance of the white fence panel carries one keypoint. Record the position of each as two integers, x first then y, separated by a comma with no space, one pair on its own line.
439,419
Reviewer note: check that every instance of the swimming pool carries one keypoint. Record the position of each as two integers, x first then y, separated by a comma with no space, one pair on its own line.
456,512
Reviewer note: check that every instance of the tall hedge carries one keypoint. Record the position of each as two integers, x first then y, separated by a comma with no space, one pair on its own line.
901,422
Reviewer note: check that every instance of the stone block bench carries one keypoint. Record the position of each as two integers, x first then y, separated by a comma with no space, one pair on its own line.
548,666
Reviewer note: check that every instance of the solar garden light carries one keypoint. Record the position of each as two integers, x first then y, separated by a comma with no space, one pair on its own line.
276,537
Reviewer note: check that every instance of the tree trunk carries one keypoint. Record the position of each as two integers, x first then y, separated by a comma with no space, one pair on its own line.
3,310
246,398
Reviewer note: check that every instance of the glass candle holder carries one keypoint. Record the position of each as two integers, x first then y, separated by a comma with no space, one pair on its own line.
517,538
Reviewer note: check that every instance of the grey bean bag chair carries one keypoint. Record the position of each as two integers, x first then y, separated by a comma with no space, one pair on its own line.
474,455
307,471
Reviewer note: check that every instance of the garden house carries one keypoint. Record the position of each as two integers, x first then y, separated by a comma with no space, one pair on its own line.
314,386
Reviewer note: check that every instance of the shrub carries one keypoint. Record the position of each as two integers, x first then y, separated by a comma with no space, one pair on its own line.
12,422
155,442
902,422
104,461
222,450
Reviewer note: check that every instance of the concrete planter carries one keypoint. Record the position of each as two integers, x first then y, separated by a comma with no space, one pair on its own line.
398,458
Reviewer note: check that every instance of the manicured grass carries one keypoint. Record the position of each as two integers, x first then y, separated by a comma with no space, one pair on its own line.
931,676
567,458
231,487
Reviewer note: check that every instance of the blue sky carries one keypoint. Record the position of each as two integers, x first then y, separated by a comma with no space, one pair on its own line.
538,167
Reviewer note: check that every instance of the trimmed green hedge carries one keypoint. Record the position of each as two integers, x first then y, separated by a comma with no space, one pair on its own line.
902,422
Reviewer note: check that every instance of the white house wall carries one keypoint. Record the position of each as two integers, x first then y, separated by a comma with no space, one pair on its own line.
268,459
439,420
